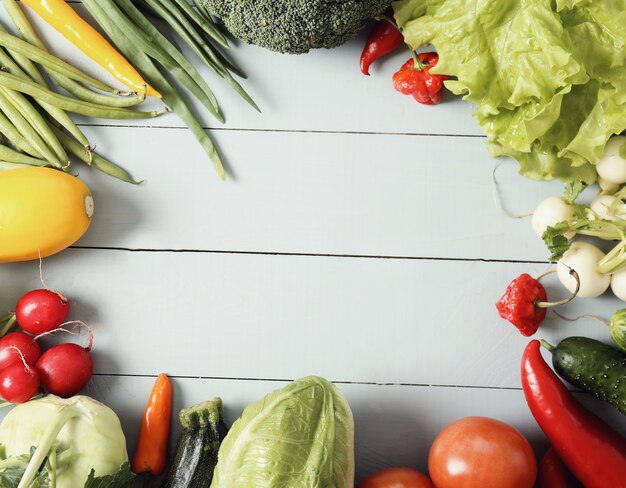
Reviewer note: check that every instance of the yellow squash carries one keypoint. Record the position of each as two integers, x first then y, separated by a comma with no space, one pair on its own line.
42,211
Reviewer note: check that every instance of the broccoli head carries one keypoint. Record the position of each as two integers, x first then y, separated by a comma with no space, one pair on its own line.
295,26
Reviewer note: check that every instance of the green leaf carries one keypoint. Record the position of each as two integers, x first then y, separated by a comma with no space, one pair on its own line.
573,189
557,243
548,78
124,478
11,475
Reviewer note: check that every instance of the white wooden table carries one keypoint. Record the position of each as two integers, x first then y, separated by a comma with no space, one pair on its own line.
356,238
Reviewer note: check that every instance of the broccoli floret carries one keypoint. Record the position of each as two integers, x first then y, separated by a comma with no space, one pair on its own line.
295,26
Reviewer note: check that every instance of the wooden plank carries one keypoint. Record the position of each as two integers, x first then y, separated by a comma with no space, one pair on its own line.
320,91
426,322
352,194
394,425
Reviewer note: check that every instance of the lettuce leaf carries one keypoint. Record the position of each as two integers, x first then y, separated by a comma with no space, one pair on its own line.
301,435
548,78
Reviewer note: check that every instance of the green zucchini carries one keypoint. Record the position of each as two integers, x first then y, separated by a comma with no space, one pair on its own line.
197,447
592,366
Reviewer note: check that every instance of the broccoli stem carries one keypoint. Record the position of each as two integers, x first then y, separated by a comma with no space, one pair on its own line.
65,414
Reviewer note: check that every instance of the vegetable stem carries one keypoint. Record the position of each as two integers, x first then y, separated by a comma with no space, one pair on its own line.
573,273
65,414
7,326
547,345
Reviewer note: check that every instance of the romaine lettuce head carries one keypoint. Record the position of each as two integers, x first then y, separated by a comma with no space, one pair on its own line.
301,436
84,434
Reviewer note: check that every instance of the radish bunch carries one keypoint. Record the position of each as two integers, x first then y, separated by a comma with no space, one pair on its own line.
62,370
558,220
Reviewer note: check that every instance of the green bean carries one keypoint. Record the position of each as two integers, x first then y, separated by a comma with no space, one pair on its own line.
27,68
159,48
220,60
37,122
5,165
207,25
71,105
201,48
44,58
27,130
87,95
74,88
10,155
59,115
15,137
156,79
94,160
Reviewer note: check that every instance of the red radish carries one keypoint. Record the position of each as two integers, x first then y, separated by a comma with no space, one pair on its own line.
11,345
65,369
18,382
40,311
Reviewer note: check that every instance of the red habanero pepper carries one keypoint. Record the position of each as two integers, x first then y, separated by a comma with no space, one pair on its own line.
594,452
553,473
418,81
384,38
524,303
151,453
518,305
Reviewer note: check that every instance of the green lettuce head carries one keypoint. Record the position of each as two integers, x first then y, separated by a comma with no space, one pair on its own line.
299,436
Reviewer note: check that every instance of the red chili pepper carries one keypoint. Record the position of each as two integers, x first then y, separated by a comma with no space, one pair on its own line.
418,81
594,452
151,453
384,38
518,305
553,473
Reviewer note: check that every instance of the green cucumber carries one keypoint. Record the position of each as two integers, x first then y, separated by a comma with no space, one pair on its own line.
592,366
198,444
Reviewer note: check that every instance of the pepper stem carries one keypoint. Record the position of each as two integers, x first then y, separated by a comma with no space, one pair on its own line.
573,273
547,345
417,64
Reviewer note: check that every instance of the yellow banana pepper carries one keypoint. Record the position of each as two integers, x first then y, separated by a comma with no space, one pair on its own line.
68,23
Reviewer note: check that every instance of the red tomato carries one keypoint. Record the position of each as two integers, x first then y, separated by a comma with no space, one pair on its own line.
479,452
397,478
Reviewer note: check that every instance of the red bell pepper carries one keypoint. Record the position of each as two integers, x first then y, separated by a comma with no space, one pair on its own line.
594,452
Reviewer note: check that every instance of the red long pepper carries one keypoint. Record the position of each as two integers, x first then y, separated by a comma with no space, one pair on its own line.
384,38
594,452
552,471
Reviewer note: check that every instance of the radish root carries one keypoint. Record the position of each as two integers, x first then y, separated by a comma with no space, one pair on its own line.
583,316
77,324
497,201
26,366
